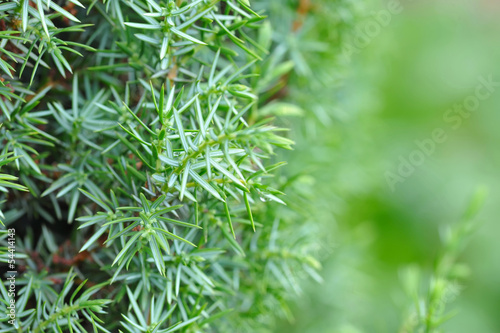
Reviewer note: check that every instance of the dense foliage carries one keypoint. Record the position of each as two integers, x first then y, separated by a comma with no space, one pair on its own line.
147,181
142,134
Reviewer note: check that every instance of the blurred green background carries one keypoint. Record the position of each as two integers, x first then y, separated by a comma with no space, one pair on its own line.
364,112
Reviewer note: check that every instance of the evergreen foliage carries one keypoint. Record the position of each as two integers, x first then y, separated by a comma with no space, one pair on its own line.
143,170
143,138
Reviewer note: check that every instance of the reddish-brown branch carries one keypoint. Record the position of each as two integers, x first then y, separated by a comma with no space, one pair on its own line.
303,9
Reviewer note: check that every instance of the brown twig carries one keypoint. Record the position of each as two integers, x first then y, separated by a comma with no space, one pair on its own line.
303,9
